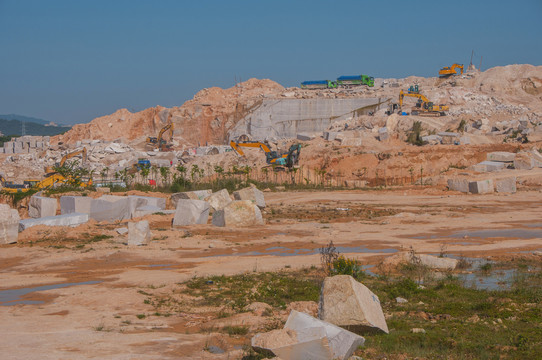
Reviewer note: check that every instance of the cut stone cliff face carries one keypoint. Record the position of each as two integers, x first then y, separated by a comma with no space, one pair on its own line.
206,118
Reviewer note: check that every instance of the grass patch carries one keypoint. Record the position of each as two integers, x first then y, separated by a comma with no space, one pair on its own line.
235,330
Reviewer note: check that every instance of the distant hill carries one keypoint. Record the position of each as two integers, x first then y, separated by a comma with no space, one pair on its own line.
24,118
14,127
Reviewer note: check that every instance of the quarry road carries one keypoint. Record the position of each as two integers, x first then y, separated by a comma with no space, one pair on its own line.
109,316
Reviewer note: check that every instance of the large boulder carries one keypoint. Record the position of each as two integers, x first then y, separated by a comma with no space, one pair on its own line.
238,214
351,305
139,233
307,338
250,193
481,186
219,200
9,225
40,206
190,212
75,204
190,195
111,208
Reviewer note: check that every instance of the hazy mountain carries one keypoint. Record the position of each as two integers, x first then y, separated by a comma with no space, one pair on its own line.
24,118
14,127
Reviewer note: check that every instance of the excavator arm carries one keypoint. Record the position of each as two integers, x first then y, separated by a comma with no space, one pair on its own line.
66,157
418,96
236,146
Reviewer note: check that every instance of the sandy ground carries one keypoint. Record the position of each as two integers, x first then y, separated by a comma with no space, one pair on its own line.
99,320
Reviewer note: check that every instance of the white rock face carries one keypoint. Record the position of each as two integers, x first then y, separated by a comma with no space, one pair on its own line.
190,212
139,233
351,305
219,200
9,225
252,194
40,206
307,338
238,214
74,219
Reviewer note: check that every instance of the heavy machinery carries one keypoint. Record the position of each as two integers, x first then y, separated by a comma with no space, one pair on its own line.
356,80
159,142
278,161
449,71
82,152
50,181
319,84
423,107
414,89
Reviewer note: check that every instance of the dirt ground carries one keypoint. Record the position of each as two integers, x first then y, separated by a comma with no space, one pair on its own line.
108,318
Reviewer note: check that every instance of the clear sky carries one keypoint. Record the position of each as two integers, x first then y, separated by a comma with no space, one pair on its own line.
70,61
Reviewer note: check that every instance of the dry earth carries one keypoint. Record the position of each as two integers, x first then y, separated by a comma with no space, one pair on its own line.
100,320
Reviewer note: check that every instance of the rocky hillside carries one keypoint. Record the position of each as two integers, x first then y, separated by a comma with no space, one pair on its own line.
205,118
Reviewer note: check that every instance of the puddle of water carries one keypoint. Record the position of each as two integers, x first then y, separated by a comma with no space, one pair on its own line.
493,233
494,280
284,251
12,297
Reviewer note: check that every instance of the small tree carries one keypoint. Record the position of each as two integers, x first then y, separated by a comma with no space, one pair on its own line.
164,172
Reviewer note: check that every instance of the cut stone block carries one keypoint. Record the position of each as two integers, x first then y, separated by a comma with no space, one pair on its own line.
506,185
146,210
219,200
481,186
190,212
330,135
74,219
458,185
304,137
252,194
122,230
435,262
9,225
383,134
523,161
351,141
75,204
351,305
238,214
488,166
111,209
305,337
139,233
190,195
40,206
501,156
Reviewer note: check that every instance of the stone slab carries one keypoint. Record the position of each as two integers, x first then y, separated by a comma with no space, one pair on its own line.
111,209
481,186
489,166
501,156
523,161
9,225
190,195
459,185
139,233
239,213
506,185
351,305
75,204
40,206
252,194
73,219
191,212
219,200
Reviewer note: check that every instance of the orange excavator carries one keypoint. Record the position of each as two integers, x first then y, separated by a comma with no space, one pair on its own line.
448,71
159,142
82,152
273,158
423,107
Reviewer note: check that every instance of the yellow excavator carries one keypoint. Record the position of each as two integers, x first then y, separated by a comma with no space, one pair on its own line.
50,181
450,70
159,142
83,153
423,107
273,158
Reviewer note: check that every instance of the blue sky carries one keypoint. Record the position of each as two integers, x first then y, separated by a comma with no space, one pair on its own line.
71,61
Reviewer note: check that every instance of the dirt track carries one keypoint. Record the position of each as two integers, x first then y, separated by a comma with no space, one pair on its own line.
100,320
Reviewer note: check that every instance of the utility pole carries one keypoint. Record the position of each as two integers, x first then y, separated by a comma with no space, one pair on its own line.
23,130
